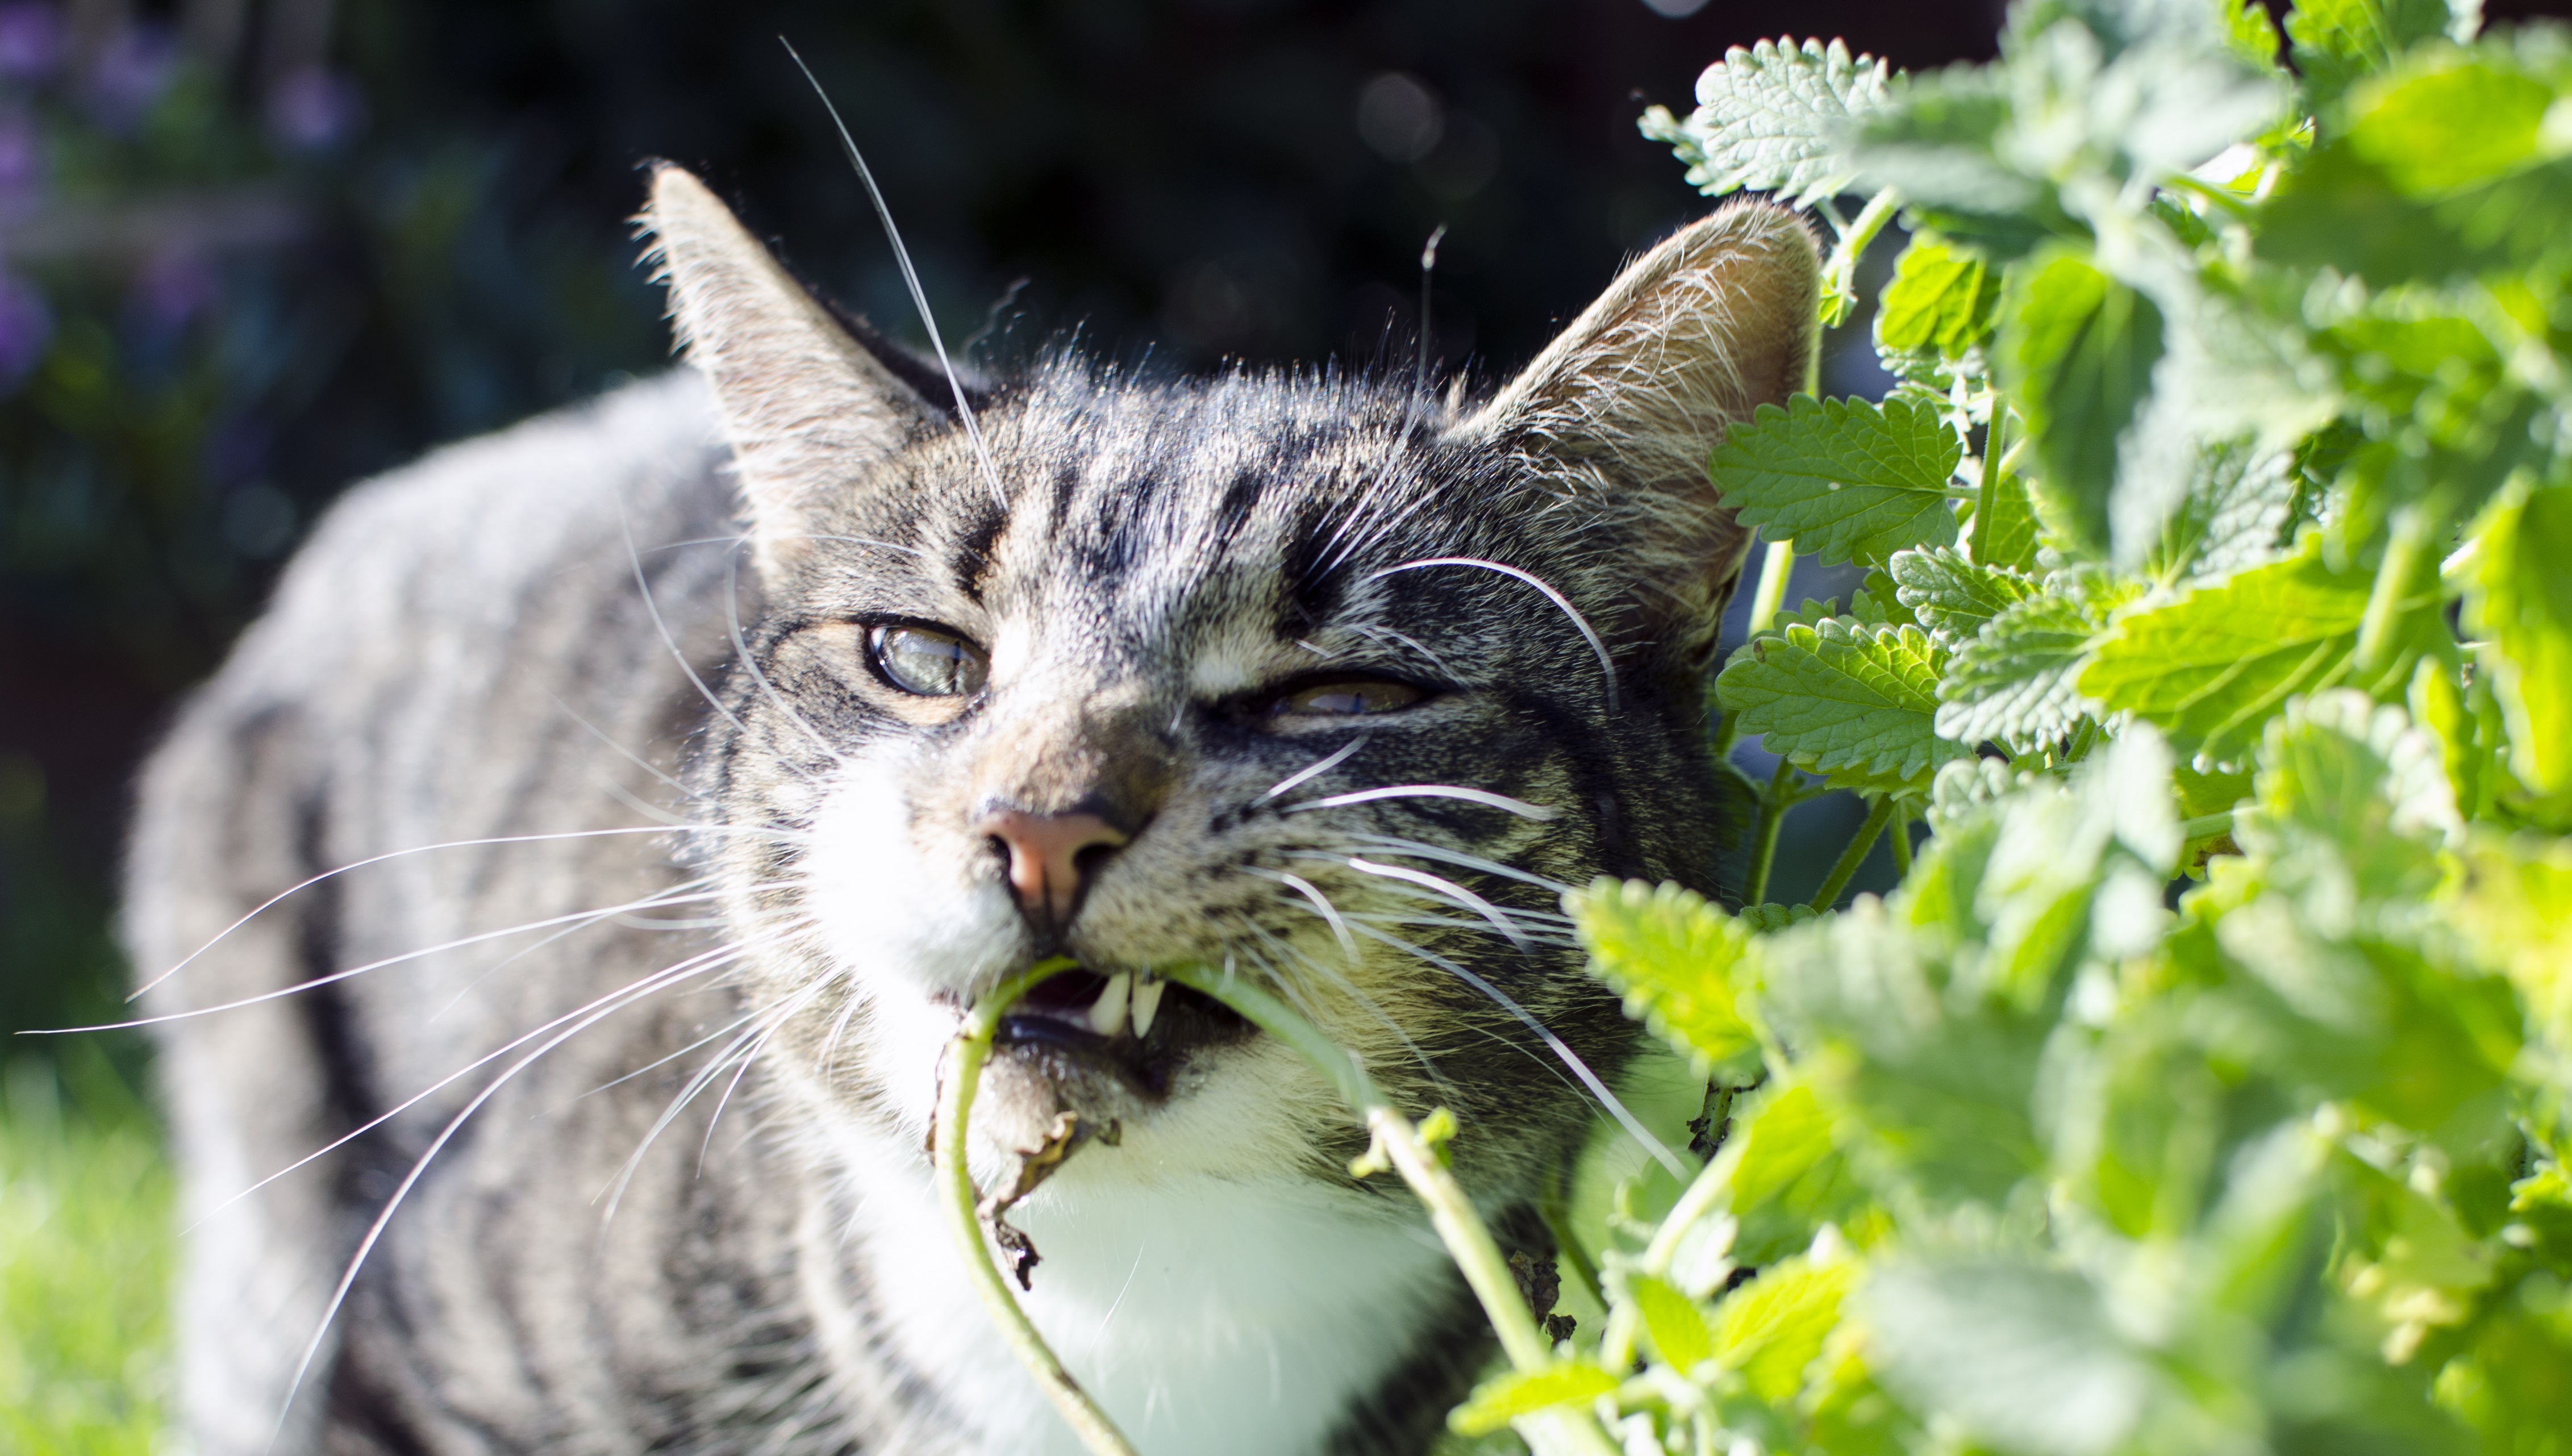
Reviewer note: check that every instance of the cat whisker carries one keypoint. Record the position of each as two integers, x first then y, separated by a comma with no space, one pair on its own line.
1485,797
1396,845
741,651
290,891
1607,665
1375,1008
1321,902
605,1007
762,1024
1615,1106
632,757
657,981
1439,886
586,917
1312,771
643,584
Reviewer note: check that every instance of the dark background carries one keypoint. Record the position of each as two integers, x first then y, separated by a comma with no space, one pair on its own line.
252,250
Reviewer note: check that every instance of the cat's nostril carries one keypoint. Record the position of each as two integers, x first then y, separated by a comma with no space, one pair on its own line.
1052,858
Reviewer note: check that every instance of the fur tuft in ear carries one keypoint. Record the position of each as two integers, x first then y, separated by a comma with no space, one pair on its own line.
807,406
1631,400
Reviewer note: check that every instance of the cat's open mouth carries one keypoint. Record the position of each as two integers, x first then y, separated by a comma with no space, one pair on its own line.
1140,1028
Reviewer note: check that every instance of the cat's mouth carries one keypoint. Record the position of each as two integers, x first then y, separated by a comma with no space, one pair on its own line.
1141,1028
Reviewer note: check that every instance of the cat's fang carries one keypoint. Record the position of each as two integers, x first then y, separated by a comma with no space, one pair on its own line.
1107,1013
1147,1004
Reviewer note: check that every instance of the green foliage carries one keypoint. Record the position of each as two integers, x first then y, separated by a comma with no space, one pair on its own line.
2220,527
1767,119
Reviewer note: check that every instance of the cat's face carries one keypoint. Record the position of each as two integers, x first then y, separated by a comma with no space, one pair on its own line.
1298,677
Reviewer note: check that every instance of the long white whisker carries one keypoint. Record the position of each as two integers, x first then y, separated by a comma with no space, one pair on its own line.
1322,903
909,276
271,901
1395,845
643,584
1444,888
1485,797
1606,666
1312,771
658,980
765,1019
384,1218
1616,1108
631,756
514,957
741,650
338,975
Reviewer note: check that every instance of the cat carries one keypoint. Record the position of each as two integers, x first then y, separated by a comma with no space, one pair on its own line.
702,750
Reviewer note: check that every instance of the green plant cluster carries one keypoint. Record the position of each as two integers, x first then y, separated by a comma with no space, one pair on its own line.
2203,1085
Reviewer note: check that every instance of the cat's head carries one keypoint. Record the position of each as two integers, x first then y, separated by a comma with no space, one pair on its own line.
1297,675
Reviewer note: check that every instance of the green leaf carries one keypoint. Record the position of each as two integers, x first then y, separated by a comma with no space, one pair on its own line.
1845,700
1768,119
1941,298
1844,480
2013,682
2249,32
1671,1320
2455,122
1786,1179
1504,1398
2015,531
2523,602
2214,665
1952,596
2239,508
2027,1358
1675,959
2517,908
1771,1328
2079,347
1938,139
2335,41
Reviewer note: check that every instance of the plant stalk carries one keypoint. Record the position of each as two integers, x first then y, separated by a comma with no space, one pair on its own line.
1855,853
2387,596
1987,499
958,1079
1773,572
1773,805
1900,829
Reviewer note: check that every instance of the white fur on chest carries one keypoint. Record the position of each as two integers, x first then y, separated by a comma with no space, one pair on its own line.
1205,1314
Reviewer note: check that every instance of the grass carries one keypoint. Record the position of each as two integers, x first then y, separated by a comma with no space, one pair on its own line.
85,1259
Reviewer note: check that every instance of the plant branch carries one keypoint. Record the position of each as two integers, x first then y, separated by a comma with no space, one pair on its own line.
958,1084
1773,804
1839,276
1772,594
1855,853
1987,499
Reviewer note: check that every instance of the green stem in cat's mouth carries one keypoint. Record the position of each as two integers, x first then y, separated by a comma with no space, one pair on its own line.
1396,1143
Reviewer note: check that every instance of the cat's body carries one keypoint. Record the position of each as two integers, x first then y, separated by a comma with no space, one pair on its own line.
1152,607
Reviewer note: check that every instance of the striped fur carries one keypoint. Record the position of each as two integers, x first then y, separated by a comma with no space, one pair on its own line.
681,896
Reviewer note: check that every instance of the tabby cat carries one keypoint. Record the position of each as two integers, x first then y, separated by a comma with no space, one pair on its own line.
702,750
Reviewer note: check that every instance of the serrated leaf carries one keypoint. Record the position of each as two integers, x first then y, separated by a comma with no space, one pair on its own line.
2015,532
1941,298
2013,682
1760,919
2452,124
2240,505
2335,42
2518,913
1938,139
1771,1328
2523,602
2249,33
1845,480
1952,596
1673,1322
2027,1358
1770,119
1845,700
2214,665
1504,1398
2079,347
1675,959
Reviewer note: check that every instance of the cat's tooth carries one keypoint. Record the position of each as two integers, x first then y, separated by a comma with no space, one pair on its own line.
1147,1005
1107,1013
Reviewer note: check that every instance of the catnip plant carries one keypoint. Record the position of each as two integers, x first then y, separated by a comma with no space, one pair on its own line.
2201,1085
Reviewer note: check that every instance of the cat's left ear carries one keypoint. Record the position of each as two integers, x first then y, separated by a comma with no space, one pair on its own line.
809,407
1625,407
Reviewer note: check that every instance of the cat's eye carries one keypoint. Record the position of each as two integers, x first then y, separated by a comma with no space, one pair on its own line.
1345,697
927,661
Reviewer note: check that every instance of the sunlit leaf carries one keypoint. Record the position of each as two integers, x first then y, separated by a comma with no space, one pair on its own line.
2523,600
1845,700
1675,959
2079,348
1846,479
1504,1398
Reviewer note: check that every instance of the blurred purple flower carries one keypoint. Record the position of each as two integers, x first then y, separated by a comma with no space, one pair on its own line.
26,326
130,73
313,110
173,286
31,39
22,156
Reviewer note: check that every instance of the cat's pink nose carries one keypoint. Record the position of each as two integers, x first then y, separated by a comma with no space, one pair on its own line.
1050,856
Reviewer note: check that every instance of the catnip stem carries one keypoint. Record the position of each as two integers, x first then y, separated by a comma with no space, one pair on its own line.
1900,829
963,1069
1773,572
1987,499
1839,276
1855,853
1763,835
2413,528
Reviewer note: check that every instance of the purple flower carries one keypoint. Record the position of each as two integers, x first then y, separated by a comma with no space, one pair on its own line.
31,39
22,156
313,110
26,326
173,286
130,74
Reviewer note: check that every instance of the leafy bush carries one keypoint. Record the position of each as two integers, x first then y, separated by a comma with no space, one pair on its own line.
2202,1086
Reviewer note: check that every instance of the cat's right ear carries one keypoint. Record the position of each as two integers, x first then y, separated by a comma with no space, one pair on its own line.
808,407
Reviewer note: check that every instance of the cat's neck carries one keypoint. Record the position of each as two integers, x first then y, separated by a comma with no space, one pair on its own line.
1205,1314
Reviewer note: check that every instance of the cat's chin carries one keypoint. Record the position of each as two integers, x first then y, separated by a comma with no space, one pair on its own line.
1110,1048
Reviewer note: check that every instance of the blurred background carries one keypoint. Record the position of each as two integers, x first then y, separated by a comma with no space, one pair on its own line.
253,249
